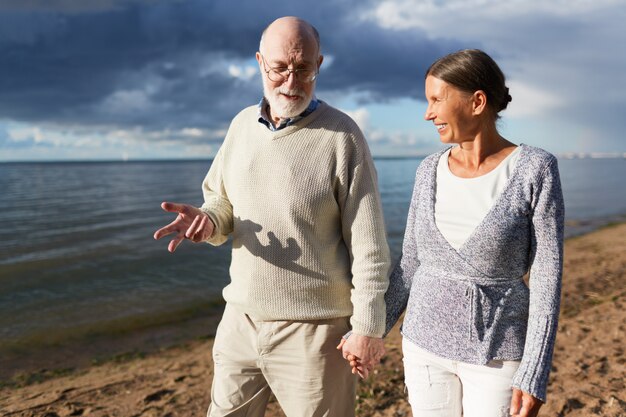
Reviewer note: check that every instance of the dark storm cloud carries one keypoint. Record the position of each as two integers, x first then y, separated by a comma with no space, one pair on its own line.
58,67
382,64
140,63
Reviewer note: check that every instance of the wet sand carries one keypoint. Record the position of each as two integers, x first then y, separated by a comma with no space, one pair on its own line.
587,377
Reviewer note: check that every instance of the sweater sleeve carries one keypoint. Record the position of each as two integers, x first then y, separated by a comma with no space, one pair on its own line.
216,204
545,283
363,232
397,295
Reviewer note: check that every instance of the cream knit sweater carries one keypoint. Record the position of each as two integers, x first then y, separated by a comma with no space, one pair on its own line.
303,208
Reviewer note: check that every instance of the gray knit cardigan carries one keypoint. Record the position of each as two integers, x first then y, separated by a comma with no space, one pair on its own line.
471,304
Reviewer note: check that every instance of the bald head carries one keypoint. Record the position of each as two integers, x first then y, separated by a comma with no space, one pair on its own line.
289,59
292,33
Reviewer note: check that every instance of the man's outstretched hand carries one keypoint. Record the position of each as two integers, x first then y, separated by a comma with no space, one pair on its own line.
191,223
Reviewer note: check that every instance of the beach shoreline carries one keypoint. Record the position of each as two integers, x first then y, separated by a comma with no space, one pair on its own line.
586,379
579,227
23,361
139,336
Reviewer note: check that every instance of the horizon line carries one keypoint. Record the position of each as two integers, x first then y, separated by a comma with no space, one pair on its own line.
562,155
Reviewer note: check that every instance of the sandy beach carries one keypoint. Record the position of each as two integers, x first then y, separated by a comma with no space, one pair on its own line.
587,378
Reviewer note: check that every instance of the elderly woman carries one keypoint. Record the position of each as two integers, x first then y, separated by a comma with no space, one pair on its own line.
477,341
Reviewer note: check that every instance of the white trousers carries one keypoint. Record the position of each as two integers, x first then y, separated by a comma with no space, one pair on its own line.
439,387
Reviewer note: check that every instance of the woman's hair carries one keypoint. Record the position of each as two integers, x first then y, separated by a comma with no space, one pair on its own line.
471,70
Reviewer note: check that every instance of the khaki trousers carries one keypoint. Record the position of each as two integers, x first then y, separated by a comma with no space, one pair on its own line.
296,360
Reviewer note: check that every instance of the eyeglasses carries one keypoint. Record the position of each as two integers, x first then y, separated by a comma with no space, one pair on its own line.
281,74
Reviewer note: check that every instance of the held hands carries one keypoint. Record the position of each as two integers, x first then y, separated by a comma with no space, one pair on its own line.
524,404
191,223
362,352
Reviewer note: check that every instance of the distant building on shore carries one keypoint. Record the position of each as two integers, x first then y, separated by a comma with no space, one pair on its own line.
591,155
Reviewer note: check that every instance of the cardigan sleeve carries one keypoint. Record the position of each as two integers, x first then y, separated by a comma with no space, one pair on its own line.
546,269
216,204
397,295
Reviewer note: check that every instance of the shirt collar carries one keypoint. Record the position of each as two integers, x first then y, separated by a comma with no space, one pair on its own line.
265,119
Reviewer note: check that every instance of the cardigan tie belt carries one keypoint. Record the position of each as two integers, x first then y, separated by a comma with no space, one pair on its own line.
475,292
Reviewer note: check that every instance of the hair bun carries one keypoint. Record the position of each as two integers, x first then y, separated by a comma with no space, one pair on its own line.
506,99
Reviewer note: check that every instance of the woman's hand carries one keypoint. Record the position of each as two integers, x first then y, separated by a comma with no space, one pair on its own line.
362,352
524,404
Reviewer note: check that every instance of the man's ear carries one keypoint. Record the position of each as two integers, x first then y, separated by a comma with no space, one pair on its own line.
258,58
319,61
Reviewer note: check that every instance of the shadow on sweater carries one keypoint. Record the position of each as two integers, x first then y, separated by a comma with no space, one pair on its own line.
282,256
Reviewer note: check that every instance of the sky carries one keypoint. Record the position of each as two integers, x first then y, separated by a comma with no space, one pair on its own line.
161,79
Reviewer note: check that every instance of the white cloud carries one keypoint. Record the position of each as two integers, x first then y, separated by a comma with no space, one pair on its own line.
393,139
192,131
212,63
125,101
57,142
20,134
563,59
328,60
435,14
29,133
242,72
361,116
530,100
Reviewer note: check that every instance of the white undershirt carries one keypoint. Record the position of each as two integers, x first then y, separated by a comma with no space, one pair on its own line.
462,203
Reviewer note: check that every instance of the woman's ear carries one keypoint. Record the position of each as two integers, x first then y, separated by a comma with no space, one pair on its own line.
479,102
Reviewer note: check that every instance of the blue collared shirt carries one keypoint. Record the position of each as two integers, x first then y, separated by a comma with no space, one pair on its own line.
265,119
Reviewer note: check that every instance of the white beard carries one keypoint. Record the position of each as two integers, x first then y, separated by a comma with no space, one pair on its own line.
280,107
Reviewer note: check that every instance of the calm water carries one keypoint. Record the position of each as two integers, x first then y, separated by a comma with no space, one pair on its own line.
76,247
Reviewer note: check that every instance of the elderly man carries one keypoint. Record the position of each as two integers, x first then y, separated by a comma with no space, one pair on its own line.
295,186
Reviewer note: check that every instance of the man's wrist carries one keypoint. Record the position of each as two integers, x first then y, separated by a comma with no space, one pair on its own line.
350,332
211,218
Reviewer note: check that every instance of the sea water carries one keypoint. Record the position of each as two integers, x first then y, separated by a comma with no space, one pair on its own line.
77,253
